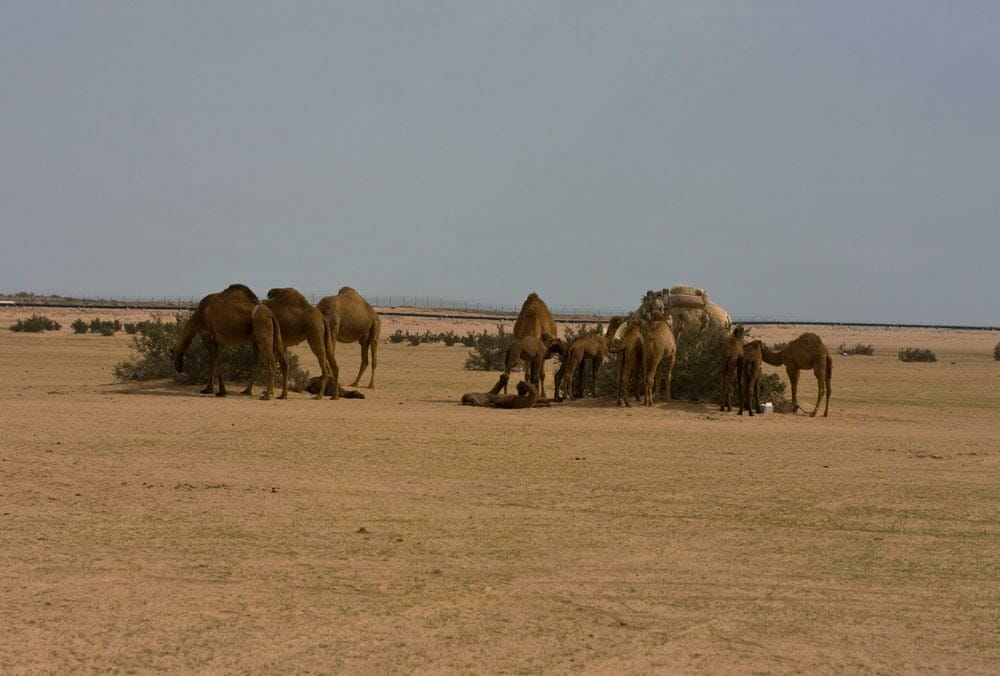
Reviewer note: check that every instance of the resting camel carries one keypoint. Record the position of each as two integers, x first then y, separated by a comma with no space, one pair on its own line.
300,320
749,377
732,358
353,320
526,397
629,351
312,387
231,318
658,345
535,319
591,348
533,353
805,352
484,398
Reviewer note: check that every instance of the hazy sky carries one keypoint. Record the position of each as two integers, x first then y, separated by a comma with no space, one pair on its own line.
801,160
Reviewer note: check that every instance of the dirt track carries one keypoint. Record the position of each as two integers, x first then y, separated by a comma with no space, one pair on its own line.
147,527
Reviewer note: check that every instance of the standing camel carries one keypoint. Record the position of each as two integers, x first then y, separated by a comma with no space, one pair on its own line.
231,318
629,351
591,348
658,345
732,359
535,321
532,352
300,320
749,378
352,320
805,352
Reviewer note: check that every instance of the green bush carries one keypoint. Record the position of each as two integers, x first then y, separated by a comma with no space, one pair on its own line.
489,350
35,324
131,329
908,354
153,358
105,327
866,350
79,326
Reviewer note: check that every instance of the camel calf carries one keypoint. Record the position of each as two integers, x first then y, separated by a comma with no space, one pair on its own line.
658,345
533,352
732,358
590,348
749,377
629,351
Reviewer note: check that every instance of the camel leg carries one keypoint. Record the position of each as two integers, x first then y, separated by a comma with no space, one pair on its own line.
213,355
373,346
668,370
317,344
217,372
829,387
279,356
595,366
819,370
793,379
364,363
248,390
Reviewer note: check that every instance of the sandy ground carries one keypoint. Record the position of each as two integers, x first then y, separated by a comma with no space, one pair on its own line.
147,527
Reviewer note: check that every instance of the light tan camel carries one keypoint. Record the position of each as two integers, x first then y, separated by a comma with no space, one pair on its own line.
749,376
629,351
658,345
805,352
535,319
301,321
231,318
484,398
353,320
591,348
732,358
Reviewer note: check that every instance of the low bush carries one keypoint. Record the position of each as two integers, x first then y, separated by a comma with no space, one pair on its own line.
79,326
489,350
996,352
908,354
866,350
35,324
105,327
153,346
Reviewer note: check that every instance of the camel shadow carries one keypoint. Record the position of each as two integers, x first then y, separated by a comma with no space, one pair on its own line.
170,388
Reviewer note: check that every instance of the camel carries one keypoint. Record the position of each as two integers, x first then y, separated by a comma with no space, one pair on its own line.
353,320
535,319
749,377
526,397
312,387
732,359
533,352
300,320
590,348
231,318
658,345
805,352
629,351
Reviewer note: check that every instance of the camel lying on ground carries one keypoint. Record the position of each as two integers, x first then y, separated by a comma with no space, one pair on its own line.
313,387
231,318
805,352
526,397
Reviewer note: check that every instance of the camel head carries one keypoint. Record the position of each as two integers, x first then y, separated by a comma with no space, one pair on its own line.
739,331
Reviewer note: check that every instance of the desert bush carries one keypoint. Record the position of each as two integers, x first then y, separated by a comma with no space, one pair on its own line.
570,333
866,350
79,326
398,336
131,329
908,354
35,324
153,358
489,350
105,327
996,352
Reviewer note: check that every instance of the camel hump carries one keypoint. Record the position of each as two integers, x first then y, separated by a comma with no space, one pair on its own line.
288,295
348,290
242,289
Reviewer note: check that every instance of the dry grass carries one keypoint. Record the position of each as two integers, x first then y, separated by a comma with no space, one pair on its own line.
148,527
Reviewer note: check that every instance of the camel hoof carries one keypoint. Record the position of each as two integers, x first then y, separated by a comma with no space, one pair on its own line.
207,390
282,396
220,393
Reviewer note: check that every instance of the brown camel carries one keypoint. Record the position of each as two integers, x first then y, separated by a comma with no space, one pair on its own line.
526,397
805,352
591,348
535,319
353,320
732,358
301,321
629,351
749,377
658,345
231,318
485,398
533,353
312,387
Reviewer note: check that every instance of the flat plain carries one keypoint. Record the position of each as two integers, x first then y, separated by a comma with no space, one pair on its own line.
146,527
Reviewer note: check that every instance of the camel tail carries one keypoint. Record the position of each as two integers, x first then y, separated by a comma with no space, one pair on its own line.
190,330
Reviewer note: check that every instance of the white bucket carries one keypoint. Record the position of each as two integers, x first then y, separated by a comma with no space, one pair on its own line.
768,408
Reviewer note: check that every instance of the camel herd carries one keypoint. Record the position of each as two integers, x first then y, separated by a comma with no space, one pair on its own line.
641,343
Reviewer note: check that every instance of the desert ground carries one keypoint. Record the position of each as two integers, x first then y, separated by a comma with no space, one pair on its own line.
145,527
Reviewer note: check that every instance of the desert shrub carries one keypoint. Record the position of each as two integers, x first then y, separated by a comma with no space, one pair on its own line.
866,350
570,333
105,327
35,324
489,350
996,352
398,336
79,326
131,329
153,358
908,354
414,338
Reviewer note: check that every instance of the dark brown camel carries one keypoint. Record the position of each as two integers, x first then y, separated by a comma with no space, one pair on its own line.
231,318
592,349
732,358
749,377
